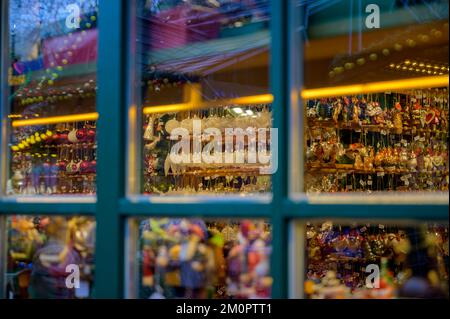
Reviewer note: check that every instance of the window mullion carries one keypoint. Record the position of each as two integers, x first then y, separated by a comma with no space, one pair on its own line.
110,175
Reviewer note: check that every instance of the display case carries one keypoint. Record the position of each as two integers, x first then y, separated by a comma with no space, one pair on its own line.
51,107
375,100
199,258
131,107
381,260
201,89
49,257
378,142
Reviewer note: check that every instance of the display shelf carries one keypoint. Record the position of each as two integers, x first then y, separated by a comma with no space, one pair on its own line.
335,169
358,128
223,172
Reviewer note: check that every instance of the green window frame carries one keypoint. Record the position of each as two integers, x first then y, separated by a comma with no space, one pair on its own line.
112,208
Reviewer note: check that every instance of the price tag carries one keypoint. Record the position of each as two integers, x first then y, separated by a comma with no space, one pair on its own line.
369,183
416,138
430,183
363,183
383,132
363,229
422,139
380,226
406,183
380,174
397,145
403,141
348,266
413,100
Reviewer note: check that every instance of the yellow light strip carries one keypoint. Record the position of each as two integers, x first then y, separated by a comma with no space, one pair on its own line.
56,119
169,108
254,99
414,83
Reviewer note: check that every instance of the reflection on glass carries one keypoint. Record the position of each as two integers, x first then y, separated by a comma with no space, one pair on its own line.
341,47
52,81
376,261
50,257
195,258
375,99
203,67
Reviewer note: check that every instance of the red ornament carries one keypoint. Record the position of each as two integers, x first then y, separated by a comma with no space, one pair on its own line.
93,167
63,138
81,135
62,165
56,137
91,134
85,167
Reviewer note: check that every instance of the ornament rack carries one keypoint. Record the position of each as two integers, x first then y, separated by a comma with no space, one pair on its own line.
378,142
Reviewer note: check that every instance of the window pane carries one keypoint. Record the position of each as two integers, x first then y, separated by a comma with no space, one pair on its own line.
50,257
375,96
343,260
52,97
201,68
196,258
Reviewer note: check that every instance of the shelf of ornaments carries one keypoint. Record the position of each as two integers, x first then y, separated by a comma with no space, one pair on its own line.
86,176
350,169
206,172
90,145
379,128
40,149
209,138
336,258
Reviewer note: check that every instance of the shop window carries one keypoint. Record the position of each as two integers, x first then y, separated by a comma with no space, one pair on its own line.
202,68
375,260
374,99
52,97
49,257
199,258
